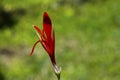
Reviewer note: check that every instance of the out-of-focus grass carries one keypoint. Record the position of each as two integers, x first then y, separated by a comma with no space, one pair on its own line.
87,41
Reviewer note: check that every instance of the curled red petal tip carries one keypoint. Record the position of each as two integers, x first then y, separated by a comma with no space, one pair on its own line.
34,47
38,30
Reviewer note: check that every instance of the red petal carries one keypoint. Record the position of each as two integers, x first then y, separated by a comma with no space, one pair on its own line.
45,46
38,30
34,47
41,33
49,32
47,25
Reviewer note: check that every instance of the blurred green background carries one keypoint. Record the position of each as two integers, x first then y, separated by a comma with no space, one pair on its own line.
87,39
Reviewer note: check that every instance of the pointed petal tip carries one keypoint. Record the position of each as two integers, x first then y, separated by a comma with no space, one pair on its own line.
30,54
46,20
45,14
35,26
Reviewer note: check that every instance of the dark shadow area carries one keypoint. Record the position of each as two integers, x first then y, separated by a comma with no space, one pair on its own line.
2,76
8,18
6,52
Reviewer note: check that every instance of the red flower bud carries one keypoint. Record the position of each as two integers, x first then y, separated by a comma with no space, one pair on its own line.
47,39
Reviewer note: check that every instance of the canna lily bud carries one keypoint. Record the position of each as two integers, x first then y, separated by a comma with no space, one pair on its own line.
46,37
